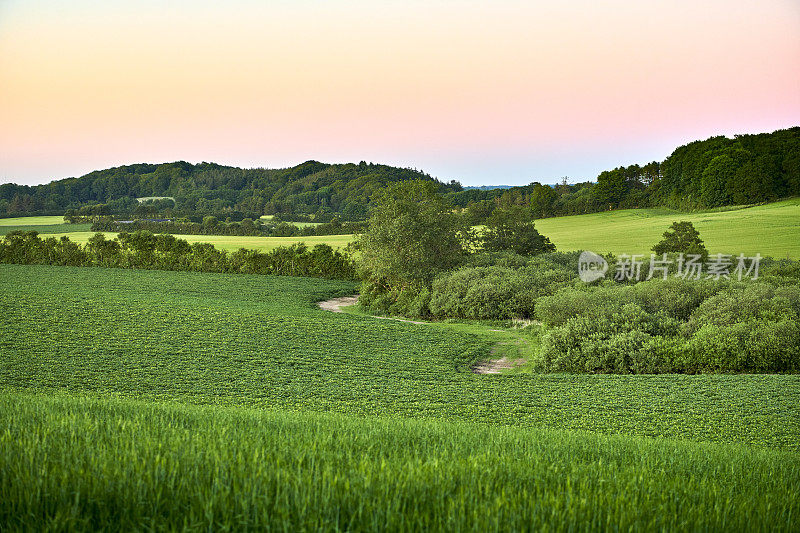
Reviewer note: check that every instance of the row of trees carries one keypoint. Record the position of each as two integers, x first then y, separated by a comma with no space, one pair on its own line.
212,226
144,250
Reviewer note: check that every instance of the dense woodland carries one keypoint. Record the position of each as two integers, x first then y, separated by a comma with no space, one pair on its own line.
715,172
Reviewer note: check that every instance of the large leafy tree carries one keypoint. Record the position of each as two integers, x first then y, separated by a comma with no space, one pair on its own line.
411,236
513,229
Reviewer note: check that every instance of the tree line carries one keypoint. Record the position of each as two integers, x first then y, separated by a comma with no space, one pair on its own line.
311,188
212,226
711,173
143,250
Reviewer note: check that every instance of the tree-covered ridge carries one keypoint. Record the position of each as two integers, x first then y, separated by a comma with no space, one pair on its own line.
712,173
209,188
715,172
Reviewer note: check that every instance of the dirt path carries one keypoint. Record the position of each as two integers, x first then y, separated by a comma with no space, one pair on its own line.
336,304
497,366
483,367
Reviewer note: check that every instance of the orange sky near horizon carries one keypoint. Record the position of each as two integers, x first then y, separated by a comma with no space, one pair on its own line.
483,92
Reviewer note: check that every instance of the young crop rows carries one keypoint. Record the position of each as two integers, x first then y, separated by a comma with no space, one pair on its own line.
261,341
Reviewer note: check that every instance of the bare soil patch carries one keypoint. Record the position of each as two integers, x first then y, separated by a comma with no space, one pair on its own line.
335,305
497,366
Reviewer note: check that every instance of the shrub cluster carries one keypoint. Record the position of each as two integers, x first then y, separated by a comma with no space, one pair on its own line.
673,325
489,286
144,250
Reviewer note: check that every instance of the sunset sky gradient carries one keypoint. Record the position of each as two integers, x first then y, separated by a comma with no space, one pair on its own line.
486,92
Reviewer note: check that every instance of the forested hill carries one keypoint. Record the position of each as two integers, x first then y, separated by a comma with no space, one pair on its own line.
715,172
718,171
309,188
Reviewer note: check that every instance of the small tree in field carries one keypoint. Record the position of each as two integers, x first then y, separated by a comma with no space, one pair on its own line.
682,237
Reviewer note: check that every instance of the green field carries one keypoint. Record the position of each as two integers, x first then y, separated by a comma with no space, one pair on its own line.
771,230
261,341
32,221
70,462
156,399
50,231
270,218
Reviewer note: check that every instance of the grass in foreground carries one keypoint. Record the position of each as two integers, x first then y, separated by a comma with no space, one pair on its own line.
771,230
261,341
77,463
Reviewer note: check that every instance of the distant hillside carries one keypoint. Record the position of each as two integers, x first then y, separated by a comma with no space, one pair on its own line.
309,188
716,172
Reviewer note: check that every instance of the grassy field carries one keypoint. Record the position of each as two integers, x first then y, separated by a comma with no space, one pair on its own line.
77,463
771,230
165,400
56,230
32,221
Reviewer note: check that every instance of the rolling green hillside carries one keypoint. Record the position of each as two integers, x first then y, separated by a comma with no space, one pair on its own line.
770,229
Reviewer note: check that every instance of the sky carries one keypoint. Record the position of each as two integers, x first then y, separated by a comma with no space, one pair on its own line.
484,92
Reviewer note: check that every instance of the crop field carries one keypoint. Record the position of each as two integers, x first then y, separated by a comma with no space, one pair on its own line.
269,218
771,230
154,399
141,466
261,341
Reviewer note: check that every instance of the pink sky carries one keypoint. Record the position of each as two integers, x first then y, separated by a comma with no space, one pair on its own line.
484,92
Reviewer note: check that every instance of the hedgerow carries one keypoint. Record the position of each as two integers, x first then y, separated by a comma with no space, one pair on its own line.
143,250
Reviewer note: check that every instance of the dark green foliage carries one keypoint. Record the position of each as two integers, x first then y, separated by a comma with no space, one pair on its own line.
247,227
512,229
672,326
412,235
144,250
683,238
210,189
507,287
716,171
543,200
